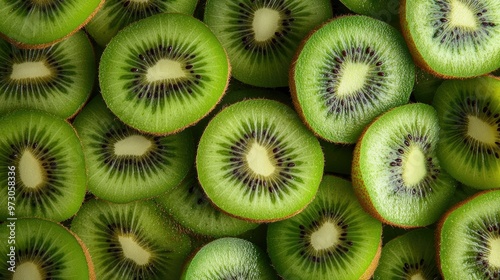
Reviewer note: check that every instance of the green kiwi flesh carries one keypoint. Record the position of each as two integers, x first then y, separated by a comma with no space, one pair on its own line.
257,161
396,173
163,73
340,81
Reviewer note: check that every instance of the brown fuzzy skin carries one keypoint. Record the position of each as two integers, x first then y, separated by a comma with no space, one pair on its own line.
373,265
22,45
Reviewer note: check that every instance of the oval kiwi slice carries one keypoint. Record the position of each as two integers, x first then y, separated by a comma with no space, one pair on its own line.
469,238
57,79
257,161
163,73
41,249
396,173
346,73
46,168
332,236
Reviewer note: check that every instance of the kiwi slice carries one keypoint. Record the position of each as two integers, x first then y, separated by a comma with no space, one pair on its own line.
385,10
347,72
163,73
396,173
261,36
44,170
410,256
230,258
57,79
38,24
131,241
453,38
116,14
469,140
41,249
124,164
333,236
469,238
257,161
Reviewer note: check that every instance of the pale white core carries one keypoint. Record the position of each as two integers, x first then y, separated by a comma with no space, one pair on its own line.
481,131
29,70
165,69
134,251
353,78
30,170
325,237
462,16
265,23
494,256
134,145
258,160
417,276
27,270
414,168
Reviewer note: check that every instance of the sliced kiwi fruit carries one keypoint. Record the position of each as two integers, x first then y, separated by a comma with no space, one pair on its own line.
261,36
453,38
346,73
124,164
333,238
163,73
410,256
230,258
38,24
44,169
257,161
469,238
41,249
131,241
396,173
385,10
469,140
116,14
57,79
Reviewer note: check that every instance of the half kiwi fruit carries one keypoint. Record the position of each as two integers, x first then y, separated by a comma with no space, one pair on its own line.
396,173
346,73
257,161
163,73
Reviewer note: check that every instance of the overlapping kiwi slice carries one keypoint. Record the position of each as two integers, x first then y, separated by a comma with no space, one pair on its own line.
333,238
163,73
38,24
261,36
124,164
42,249
257,161
453,38
43,156
469,117
131,241
348,72
469,238
396,173
57,79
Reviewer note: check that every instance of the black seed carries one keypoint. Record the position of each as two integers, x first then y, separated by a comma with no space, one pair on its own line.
381,74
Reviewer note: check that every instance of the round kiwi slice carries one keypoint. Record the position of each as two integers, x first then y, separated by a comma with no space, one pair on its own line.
124,164
332,236
116,14
410,256
396,173
38,24
57,79
163,73
257,161
346,73
41,249
131,241
453,38
230,258
261,36
44,169
469,139
469,238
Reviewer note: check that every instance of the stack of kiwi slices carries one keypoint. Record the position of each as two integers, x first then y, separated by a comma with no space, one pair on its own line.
249,139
